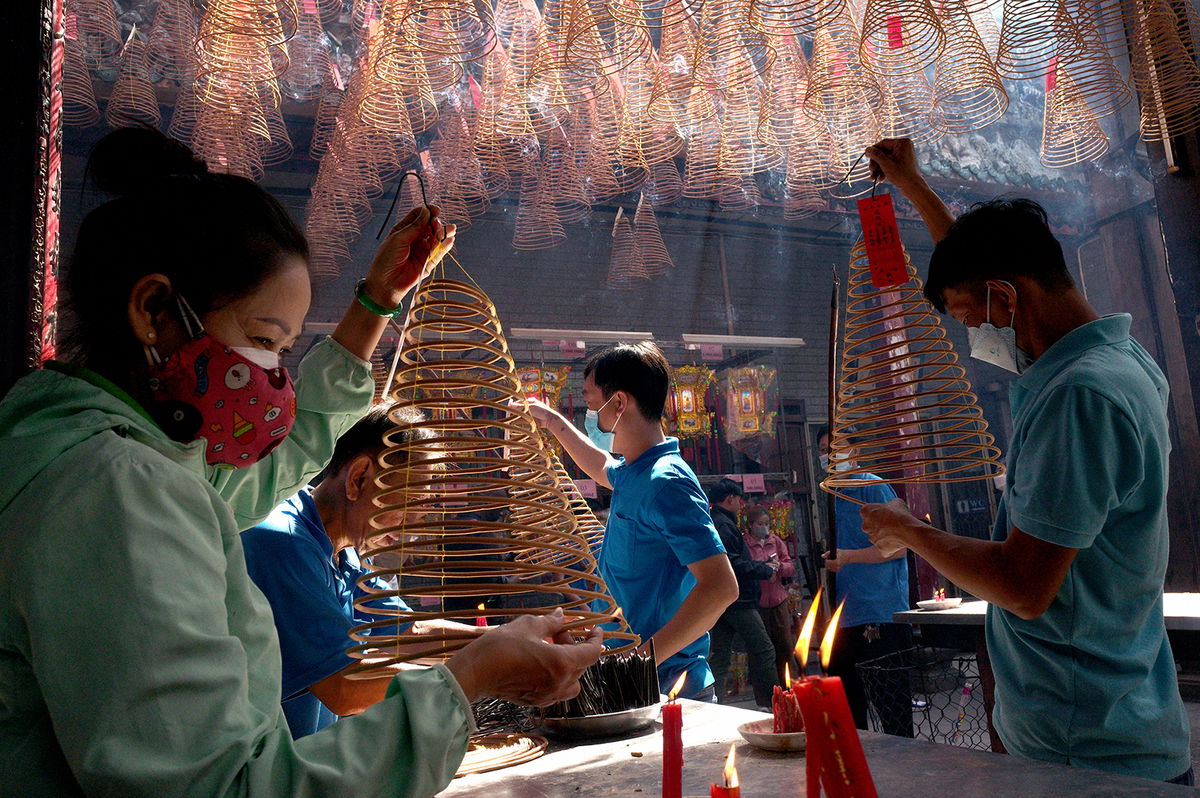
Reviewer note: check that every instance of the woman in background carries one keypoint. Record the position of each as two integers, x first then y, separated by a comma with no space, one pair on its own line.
765,546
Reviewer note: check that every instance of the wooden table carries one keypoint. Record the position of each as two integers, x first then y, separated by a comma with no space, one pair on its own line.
1181,613
632,767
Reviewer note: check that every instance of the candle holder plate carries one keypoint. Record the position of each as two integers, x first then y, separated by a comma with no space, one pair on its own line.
609,724
759,734
932,605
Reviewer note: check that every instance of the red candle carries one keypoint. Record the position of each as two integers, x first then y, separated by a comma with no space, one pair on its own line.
672,778
816,754
846,771
785,708
730,789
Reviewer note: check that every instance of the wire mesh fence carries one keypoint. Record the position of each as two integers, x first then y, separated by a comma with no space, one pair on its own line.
941,687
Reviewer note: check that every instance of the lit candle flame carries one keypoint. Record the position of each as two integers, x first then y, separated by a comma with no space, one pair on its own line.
731,779
830,633
806,631
787,674
678,686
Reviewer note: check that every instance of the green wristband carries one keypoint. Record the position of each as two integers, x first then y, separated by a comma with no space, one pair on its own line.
360,294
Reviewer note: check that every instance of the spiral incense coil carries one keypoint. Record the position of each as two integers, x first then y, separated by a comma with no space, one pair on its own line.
537,225
701,166
97,31
739,194
810,156
803,204
908,109
1029,38
677,74
741,150
242,45
647,237
79,97
588,526
643,139
397,97
664,184
988,29
277,147
568,69
731,51
1082,54
793,17
594,141
311,60
651,14
459,174
502,114
182,126
840,88
1163,69
968,93
169,50
786,81
483,455
900,37
132,101
564,183
460,30
1070,134
905,410
224,143
625,268
325,121
619,43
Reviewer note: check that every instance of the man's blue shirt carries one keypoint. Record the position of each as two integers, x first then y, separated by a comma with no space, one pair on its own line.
291,559
658,525
1092,681
873,592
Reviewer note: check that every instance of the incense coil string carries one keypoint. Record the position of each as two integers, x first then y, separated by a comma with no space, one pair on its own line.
905,410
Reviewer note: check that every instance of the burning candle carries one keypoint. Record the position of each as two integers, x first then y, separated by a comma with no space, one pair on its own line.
785,708
806,700
731,788
672,778
480,620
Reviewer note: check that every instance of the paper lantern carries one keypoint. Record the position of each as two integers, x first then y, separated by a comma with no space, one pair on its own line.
686,410
746,409
484,455
905,411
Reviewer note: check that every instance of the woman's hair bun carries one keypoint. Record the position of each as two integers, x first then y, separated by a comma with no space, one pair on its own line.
129,158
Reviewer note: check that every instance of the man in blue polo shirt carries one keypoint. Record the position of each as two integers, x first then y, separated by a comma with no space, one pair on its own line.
1074,571
304,558
661,556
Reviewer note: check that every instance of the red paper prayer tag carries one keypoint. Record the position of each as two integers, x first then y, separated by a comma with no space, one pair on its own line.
885,253
895,32
1052,74
310,7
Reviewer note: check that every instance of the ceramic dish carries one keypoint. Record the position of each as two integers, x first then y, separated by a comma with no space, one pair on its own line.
760,734
943,604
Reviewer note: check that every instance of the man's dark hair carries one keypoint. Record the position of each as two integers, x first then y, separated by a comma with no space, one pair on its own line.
641,370
997,240
366,436
723,490
822,431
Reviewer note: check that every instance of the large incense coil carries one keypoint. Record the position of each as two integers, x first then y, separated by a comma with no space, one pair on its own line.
79,97
169,50
786,82
676,74
97,31
537,225
1029,38
730,54
900,37
793,17
241,44
564,183
569,65
739,194
625,267
809,158
905,410
648,240
458,29
1070,134
222,141
664,184
619,43
483,455
1164,70
594,137
651,14
839,86
133,101
590,528
968,92
643,139
988,29
182,126
803,204
396,95
310,60
908,109
1095,79
277,147
701,166
459,174
742,149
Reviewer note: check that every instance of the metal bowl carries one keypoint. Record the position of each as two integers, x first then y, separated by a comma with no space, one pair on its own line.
607,725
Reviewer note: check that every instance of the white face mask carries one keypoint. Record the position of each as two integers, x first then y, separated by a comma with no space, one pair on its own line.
998,345
264,358
841,462
760,531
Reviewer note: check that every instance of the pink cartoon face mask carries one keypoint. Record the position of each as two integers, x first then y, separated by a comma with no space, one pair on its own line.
239,399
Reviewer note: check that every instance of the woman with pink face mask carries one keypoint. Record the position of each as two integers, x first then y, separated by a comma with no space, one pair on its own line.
138,658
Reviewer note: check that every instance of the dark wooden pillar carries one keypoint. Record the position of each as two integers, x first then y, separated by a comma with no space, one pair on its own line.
22,59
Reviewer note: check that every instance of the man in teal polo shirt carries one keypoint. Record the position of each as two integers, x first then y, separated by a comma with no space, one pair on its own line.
1074,571
661,555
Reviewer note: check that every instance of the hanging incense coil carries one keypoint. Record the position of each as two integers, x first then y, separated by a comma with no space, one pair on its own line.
224,143
740,194
97,31
133,101
701,168
810,157
594,139
458,30
311,59
1082,54
184,115
677,73
325,121
643,140
900,37
786,82
648,240
242,45
79,97
840,87
537,225
651,14
1163,68
730,53
482,455
968,92
396,94
568,68
625,268
564,184
803,204
459,174
1029,38
589,527
169,50
908,109
793,17
905,410
1070,134
664,184
742,150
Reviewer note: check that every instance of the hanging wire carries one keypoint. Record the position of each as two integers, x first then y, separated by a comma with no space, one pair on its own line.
424,201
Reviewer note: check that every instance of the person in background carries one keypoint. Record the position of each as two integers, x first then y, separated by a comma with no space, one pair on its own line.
874,588
741,618
304,558
661,556
145,662
766,546
1073,574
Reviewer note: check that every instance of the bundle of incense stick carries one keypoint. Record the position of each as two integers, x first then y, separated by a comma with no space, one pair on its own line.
497,715
614,684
